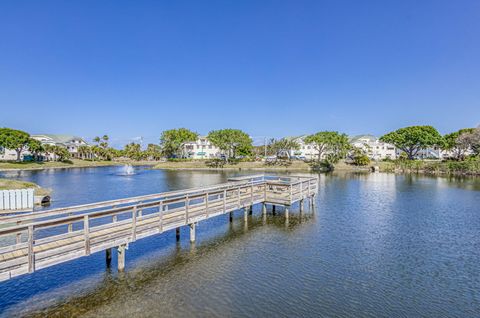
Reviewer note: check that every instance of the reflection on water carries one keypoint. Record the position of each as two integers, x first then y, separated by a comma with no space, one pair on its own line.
377,245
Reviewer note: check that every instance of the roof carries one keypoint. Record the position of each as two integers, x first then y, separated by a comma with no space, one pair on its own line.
367,136
61,139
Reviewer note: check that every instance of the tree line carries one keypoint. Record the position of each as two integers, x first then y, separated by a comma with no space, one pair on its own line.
330,146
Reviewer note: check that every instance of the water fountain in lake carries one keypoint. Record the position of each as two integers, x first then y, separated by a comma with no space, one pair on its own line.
127,170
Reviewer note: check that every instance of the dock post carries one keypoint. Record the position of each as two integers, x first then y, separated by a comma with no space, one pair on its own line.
273,209
108,256
231,216
245,214
286,212
250,211
121,257
177,234
301,206
264,208
192,232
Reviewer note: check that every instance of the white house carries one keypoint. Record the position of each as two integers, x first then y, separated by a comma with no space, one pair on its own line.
373,147
306,151
71,143
8,154
202,148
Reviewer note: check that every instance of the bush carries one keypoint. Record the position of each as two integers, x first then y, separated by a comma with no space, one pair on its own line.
179,159
361,160
215,163
323,165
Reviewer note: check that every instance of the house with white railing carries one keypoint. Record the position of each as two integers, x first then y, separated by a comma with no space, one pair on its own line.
373,147
201,148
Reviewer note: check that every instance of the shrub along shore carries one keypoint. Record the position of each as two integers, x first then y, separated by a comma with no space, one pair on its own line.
433,167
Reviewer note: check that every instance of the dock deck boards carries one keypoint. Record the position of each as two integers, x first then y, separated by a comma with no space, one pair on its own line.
43,239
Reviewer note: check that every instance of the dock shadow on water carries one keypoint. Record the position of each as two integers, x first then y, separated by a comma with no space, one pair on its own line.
172,273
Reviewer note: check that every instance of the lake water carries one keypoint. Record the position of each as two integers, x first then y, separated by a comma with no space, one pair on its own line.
377,245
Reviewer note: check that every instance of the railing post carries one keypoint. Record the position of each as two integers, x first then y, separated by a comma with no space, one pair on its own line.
239,198
291,193
301,189
31,255
224,201
70,225
251,194
206,204
134,224
160,221
86,233
18,238
265,191
186,209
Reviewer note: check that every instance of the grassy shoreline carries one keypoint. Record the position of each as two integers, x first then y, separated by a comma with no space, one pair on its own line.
253,166
440,168
471,168
11,184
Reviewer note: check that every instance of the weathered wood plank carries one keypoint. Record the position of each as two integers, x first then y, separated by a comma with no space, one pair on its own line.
118,222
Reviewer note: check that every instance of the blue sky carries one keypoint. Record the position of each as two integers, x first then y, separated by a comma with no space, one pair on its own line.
271,68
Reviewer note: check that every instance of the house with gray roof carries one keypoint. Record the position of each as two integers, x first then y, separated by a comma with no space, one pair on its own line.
71,143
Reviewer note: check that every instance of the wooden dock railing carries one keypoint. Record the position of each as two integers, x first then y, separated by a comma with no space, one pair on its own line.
29,242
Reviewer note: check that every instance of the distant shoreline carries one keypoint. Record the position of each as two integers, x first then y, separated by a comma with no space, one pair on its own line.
33,166
398,167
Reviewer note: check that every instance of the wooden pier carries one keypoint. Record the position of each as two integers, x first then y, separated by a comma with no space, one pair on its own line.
30,242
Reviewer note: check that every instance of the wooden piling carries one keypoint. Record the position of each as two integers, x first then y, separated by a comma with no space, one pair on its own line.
273,209
177,234
121,257
108,256
231,216
192,232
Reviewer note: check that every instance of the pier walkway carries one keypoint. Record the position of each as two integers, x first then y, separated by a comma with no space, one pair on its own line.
32,241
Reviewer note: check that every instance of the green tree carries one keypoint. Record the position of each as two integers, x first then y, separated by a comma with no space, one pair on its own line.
14,139
282,147
35,147
331,144
102,142
153,152
49,150
458,145
470,140
232,142
171,141
359,157
133,151
414,138
84,151
61,153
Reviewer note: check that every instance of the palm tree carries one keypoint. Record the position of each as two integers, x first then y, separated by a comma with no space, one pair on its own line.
84,152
